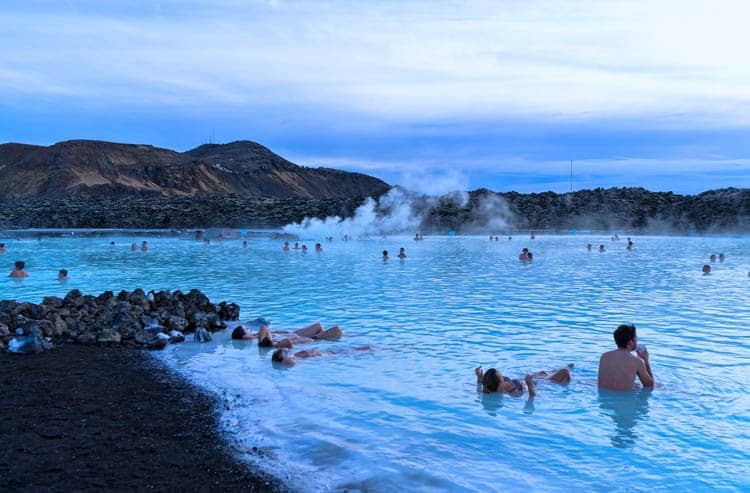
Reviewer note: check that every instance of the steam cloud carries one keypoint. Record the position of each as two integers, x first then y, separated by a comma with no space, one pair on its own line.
403,212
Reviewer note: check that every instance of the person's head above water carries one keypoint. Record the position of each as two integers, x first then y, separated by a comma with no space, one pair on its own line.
491,380
283,355
623,335
706,269
20,265
238,332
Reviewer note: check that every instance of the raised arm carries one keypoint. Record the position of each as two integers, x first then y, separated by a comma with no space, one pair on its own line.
644,370
530,385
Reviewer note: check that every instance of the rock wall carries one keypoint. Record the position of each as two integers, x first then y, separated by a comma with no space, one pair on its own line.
134,318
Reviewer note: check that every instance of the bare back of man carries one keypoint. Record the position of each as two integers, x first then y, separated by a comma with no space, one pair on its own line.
618,369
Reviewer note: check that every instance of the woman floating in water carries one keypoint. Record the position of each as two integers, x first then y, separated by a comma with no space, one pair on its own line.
494,381
285,356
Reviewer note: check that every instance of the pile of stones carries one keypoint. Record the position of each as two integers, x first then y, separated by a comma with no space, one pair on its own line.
136,319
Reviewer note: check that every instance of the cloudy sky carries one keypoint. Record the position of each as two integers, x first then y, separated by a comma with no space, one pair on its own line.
433,95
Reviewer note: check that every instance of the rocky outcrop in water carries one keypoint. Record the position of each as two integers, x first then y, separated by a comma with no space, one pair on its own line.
136,318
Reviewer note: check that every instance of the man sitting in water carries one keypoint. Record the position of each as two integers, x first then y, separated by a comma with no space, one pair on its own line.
62,275
18,271
494,381
618,368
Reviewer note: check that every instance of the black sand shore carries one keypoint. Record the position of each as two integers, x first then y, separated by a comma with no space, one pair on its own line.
96,418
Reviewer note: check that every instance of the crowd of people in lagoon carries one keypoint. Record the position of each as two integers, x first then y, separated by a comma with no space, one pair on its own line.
19,270
617,368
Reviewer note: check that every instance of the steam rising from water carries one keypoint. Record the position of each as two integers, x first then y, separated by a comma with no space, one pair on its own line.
403,212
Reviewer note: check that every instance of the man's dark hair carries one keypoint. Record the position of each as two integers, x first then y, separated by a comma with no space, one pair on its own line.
277,356
238,332
624,334
20,264
491,380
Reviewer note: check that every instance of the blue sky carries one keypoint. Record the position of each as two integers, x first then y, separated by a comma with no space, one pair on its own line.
432,95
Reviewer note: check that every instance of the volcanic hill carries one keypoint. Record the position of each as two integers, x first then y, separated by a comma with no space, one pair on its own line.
106,169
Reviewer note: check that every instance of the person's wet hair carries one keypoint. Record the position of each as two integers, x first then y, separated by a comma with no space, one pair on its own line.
265,342
491,380
20,265
278,356
238,332
624,334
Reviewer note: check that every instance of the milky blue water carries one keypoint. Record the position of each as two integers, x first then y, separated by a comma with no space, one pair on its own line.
407,416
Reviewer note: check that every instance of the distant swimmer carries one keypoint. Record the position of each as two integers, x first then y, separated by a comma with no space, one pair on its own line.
244,243
706,269
19,271
630,244
286,246
533,236
712,258
602,249
402,253
62,275
199,234
133,247
494,381
144,246
721,257
2,248
304,248
510,238
618,368
385,254
318,248
525,255
296,245
588,247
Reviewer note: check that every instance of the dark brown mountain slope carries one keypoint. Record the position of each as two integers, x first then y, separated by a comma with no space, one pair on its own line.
83,167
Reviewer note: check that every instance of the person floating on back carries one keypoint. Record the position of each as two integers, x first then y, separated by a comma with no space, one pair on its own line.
494,381
618,368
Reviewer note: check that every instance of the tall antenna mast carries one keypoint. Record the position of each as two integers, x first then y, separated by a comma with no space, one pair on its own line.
571,175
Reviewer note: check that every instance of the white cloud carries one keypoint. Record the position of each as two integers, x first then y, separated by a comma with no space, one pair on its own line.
394,60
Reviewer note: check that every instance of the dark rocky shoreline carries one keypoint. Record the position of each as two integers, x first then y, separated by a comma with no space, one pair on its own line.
81,418
85,407
479,211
